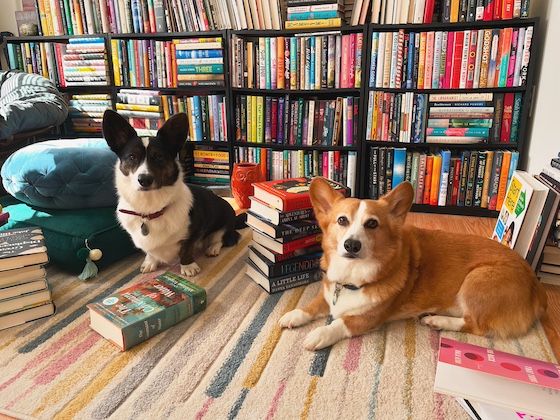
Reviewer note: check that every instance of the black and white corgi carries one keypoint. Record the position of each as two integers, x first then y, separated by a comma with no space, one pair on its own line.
165,217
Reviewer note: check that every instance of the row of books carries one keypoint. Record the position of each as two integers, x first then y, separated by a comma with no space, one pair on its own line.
297,121
146,111
475,178
339,166
25,294
165,64
80,62
424,11
79,17
468,59
303,62
444,118
286,248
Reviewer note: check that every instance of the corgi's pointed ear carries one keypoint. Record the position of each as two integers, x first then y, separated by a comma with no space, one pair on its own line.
399,199
323,196
174,131
116,130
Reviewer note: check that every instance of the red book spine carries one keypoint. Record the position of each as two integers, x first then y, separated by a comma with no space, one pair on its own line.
457,57
507,9
489,10
301,243
429,11
449,60
506,118
428,179
456,182
62,80
497,10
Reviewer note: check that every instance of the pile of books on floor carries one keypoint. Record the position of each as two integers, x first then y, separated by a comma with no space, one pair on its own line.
25,294
286,246
314,14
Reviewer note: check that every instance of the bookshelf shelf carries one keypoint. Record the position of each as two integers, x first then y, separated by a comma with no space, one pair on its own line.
353,141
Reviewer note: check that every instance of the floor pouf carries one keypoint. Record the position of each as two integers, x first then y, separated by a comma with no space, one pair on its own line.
66,232
62,174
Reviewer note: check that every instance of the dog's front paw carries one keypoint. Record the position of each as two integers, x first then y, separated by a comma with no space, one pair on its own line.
150,264
326,336
295,318
191,269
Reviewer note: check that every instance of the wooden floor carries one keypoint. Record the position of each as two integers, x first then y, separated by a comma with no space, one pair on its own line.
484,226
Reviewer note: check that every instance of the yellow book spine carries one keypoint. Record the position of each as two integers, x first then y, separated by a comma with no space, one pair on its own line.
316,23
115,61
260,119
254,124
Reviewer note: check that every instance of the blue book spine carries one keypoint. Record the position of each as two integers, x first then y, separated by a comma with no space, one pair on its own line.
512,165
12,61
444,177
373,62
418,135
323,14
312,63
268,82
198,53
293,62
136,18
197,118
399,162
131,63
410,61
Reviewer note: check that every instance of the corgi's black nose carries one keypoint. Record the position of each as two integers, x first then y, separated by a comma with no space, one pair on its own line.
353,246
145,180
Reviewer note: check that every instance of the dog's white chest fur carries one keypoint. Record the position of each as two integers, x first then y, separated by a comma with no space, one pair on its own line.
347,302
164,232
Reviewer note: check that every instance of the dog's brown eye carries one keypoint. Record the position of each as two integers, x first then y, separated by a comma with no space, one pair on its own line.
371,224
342,221
132,158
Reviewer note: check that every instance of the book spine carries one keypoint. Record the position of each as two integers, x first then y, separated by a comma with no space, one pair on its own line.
300,279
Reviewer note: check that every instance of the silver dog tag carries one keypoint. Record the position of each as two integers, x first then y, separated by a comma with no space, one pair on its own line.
144,229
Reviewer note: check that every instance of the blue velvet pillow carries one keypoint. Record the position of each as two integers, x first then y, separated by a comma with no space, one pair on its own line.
62,174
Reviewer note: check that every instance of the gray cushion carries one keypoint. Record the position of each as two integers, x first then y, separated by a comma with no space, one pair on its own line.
62,174
28,102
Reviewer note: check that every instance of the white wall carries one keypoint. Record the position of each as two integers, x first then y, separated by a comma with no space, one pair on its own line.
544,129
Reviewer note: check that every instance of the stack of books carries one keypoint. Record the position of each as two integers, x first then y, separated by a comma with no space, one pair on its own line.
142,108
86,111
314,14
194,67
25,294
83,62
210,165
286,246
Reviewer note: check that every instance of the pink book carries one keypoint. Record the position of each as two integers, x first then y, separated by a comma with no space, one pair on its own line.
449,60
429,61
349,121
499,363
512,57
352,61
345,62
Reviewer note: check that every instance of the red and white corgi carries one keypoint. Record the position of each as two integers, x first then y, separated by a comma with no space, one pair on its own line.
165,217
378,269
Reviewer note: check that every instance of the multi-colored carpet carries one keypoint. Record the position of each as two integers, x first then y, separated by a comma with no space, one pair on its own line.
230,361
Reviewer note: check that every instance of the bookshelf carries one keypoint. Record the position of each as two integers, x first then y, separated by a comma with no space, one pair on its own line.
290,153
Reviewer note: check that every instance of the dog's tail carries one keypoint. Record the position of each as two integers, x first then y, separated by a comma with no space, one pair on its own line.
240,220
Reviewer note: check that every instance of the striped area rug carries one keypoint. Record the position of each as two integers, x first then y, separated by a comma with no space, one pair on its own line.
231,361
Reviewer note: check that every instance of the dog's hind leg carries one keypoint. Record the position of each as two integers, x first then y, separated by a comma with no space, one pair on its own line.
215,243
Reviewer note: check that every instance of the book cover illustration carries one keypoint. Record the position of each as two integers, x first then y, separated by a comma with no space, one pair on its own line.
133,315
21,241
512,212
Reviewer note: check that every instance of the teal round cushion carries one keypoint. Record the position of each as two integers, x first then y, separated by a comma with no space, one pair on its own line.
62,174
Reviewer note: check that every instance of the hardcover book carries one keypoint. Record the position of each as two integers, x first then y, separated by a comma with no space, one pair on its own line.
284,230
291,193
27,314
133,315
285,282
282,268
528,386
21,247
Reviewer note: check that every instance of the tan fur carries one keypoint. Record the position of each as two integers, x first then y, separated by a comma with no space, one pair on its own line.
472,283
